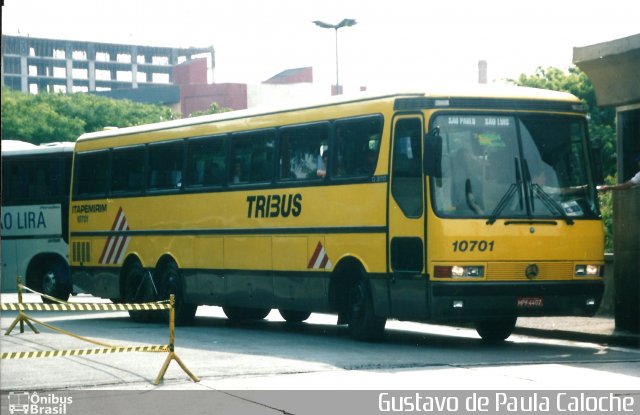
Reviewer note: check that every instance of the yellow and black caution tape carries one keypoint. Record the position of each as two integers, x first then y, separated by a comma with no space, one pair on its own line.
22,318
42,295
83,352
84,307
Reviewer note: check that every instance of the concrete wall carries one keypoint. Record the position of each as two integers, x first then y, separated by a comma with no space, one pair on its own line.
191,72
626,245
607,307
198,97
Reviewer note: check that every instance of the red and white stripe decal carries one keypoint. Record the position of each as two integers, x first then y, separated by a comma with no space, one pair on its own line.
116,245
319,259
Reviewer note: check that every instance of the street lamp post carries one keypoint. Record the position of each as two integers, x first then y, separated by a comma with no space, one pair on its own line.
343,23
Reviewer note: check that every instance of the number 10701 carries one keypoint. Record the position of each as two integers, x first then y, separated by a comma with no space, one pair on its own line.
472,246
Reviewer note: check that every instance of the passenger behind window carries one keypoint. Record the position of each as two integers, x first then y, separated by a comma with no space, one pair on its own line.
466,182
369,162
213,174
323,163
237,174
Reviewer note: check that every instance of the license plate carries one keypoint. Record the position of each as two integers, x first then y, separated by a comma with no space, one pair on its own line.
530,302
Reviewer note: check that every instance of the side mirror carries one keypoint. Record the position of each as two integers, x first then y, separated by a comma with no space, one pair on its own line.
433,153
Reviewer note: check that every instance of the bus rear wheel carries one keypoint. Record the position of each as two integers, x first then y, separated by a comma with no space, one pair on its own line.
170,282
496,330
243,313
294,316
364,325
139,288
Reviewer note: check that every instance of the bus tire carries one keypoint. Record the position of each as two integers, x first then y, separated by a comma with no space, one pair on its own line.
496,330
294,316
364,325
54,281
170,282
138,289
243,313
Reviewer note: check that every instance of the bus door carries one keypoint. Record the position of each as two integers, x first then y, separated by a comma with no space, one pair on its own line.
406,210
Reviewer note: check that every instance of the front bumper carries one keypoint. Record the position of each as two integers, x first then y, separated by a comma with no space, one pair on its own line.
452,301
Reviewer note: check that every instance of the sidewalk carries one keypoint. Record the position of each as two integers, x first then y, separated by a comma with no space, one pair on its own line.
587,329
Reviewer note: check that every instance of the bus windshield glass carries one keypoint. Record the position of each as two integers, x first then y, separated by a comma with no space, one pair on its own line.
505,166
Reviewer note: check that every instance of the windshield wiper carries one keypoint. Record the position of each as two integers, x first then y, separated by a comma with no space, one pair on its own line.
503,203
506,198
550,202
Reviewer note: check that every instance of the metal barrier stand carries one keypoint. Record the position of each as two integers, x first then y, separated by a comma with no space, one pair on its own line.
64,306
22,318
172,354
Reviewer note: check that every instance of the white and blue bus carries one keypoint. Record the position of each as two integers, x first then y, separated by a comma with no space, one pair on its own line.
35,204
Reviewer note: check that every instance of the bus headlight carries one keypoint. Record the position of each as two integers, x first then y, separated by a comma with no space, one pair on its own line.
459,271
588,270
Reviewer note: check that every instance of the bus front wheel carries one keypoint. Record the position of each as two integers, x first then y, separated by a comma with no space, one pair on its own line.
364,325
496,330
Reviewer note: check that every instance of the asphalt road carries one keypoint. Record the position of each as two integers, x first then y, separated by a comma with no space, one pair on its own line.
316,355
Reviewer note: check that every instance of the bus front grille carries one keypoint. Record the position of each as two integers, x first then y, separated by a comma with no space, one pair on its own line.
499,271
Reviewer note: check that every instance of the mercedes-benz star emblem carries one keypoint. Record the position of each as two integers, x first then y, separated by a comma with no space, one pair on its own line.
532,271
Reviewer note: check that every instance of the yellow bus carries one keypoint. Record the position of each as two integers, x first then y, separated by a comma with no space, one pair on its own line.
473,207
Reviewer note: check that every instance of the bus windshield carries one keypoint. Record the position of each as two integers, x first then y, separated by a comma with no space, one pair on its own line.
506,166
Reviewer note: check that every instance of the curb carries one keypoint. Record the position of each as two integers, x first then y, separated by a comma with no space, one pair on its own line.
615,339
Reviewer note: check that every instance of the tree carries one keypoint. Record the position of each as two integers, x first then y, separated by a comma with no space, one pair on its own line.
601,120
214,108
44,118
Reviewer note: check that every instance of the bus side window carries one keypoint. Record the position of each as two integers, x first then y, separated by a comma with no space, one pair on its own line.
14,186
357,144
252,157
39,180
165,166
206,161
90,176
300,150
406,183
127,170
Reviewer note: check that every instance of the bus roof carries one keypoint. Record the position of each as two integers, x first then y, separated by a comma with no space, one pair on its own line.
476,91
19,148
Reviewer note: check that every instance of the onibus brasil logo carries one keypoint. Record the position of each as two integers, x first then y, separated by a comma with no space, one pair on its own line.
33,403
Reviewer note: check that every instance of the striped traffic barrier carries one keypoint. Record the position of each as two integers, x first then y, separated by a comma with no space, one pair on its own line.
84,307
22,318
83,352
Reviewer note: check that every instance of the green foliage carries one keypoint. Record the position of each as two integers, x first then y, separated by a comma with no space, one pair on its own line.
44,118
214,108
606,208
601,120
